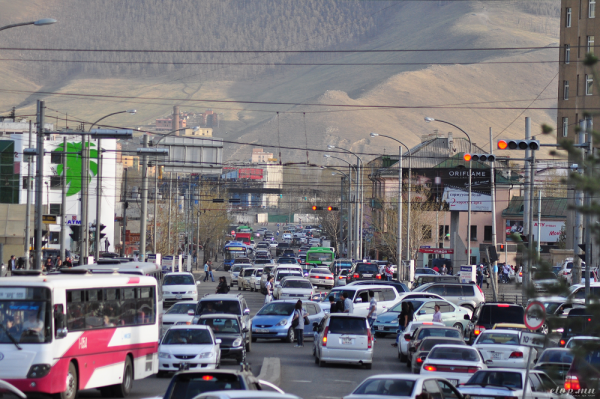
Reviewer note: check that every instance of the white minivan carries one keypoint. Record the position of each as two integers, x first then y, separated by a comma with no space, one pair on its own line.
385,295
343,338
179,286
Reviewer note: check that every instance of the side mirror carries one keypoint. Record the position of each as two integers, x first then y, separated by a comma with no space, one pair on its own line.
61,333
407,337
191,312
245,330
421,312
218,341
246,312
197,282
467,317
358,300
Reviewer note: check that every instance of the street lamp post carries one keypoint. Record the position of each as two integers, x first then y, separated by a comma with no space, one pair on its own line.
342,202
428,119
408,254
39,22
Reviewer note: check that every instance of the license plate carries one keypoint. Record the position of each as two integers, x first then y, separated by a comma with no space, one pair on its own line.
367,275
347,341
380,328
261,330
454,382
496,355
321,281
178,296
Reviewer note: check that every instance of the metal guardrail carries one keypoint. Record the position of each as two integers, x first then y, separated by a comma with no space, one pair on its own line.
513,298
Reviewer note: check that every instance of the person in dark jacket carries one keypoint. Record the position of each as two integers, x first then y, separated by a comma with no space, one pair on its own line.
222,288
332,305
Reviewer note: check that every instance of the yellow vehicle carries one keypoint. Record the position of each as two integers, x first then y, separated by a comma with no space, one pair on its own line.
510,326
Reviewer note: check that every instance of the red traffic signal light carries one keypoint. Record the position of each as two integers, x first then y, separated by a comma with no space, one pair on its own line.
518,144
314,207
329,208
317,208
502,144
467,157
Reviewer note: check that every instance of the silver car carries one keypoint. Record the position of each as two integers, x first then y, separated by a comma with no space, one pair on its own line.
343,338
321,277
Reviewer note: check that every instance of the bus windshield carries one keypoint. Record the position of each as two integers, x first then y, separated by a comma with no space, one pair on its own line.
25,315
319,256
234,252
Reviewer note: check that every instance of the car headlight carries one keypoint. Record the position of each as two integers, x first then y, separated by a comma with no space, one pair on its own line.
38,371
282,322
191,292
164,355
205,355
237,342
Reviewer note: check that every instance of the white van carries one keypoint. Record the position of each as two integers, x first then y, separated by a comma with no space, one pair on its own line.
343,338
385,295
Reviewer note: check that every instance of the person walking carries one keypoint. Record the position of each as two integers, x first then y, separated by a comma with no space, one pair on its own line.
210,270
388,272
206,271
12,264
222,287
269,288
437,315
298,324
348,305
444,269
402,323
479,277
372,315
332,305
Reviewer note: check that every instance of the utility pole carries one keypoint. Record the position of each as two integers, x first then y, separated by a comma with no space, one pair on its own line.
539,221
155,205
339,246
526,209
83,233
530,214
494,266
39,185
28,209
63,207
170,203
125,205
98,202
144,204
588,217
576,273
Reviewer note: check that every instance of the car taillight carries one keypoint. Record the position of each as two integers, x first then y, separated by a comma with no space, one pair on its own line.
378,277
516,355
562,343
473,369
572,382
207,377
520,274
324,343
503,305
419,360
369,339
341,277
356,276
478,330
430,368
328,278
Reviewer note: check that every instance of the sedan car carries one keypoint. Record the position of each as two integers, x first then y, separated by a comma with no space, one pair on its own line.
502,348
294,288
227,328
179,286
402,343
321,277
180,312
340,279
235,270
425,272
456,363
274,320
426,331
255,279
452,315
556,363
232,394
426,346
273,244
192,345
403,386
245,278
387,322
580,341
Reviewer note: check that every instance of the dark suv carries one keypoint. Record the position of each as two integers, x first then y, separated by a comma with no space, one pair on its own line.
227,304
227,328
189,384
363,271
490,313
578,322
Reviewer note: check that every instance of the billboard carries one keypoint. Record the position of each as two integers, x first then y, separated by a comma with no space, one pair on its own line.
458,200
549,230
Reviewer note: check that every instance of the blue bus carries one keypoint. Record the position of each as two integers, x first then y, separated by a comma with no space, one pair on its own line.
233,250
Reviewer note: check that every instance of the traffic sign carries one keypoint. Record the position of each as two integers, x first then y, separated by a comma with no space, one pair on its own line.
535,315
232,232
49,219
533,339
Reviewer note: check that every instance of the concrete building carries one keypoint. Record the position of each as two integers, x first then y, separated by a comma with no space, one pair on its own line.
260,156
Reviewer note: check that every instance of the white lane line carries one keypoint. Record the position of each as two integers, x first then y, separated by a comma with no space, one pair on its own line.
341,381
300,381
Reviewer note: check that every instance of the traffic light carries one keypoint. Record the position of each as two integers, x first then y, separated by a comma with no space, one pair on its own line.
479,157
582,254
317,208
75,232
332,208
518,145
102,227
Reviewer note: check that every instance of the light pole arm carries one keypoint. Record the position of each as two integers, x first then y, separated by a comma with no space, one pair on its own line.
396,140
17,25
104,117
466,134
168,134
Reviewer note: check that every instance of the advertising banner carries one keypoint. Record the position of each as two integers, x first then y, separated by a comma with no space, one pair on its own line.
549,230
467,274
458,200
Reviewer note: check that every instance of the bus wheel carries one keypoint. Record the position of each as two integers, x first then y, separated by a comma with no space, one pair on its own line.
72,384
124,388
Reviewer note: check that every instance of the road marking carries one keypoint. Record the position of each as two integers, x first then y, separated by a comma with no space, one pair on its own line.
341,381
300,381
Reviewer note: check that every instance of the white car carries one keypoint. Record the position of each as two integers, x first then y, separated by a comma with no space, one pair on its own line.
294,287
287,236
501,348
243,394
235,270
455,363
410,328
255,279
273,244
321,277
405,386
178,313
508,382
579,341
194,345
386,297
340,279
343,338
179,286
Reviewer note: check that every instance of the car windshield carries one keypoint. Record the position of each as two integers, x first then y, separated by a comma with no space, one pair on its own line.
182,308
439,332
366,268
494,338
494,314
348,325
178,279
297,284
496,378
227,307
337,294
187,337
551,307
429,343
267,269
280,276
190,385
424,271
277,309
556,356
221,325
236,269
262,261
386,387
287,261
460,354
344,264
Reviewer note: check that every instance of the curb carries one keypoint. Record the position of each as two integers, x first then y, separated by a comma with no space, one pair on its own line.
271,370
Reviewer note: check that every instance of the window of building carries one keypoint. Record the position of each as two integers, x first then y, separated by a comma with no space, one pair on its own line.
55,209
589,83
590,44
487,233
54,237
55,159
444,232
55,182
567,53
592,9
473,233
565,90
25,182
565,126
426,229
568,18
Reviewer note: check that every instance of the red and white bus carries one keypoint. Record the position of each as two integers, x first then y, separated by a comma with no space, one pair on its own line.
66,332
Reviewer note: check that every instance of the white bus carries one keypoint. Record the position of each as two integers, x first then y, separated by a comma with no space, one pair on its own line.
108,265
63,333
